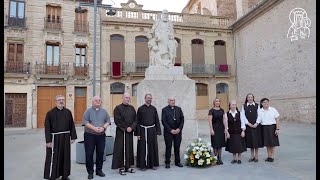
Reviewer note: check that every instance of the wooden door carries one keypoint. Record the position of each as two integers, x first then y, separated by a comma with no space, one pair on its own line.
46,101
80,103
116,99
15,110
224,104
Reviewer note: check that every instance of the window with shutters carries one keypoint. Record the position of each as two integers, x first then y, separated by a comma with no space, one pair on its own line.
53,19
81,23
15,52
220,52
14,62
201,89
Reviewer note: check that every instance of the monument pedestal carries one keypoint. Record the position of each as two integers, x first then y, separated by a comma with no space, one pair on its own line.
164,82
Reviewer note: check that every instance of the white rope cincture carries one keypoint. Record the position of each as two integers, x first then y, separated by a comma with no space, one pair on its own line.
52,150
146,135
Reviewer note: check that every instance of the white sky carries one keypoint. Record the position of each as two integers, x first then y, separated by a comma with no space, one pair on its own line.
156,5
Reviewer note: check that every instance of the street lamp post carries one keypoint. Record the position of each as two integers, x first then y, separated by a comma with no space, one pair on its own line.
94,47
111,12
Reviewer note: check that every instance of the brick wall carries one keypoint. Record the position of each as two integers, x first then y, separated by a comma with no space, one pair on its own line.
227,8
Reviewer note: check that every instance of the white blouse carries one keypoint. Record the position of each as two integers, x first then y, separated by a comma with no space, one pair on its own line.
243,125
267,117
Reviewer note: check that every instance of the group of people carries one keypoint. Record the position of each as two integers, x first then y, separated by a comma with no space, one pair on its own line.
254,127
60,132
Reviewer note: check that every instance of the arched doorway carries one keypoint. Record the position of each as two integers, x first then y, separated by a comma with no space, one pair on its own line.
222,90
116,91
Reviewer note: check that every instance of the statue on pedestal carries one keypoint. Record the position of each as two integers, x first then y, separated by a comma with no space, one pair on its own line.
162,45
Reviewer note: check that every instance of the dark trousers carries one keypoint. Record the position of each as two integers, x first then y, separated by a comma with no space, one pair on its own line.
91,142
176,138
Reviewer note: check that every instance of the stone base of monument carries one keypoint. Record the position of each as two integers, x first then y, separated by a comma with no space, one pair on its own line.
81,154
164,82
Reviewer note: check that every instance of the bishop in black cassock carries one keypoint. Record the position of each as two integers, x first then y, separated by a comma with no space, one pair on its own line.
59,120
148,127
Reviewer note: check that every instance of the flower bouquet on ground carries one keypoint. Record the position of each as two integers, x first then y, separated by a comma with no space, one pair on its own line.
199,154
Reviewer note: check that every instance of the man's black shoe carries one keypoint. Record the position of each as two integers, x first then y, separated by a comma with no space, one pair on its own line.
167,166
100,173
90,176
65,178
179,165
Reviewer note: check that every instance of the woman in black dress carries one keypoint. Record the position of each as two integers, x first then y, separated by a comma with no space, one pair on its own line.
253,136
217,123
236,127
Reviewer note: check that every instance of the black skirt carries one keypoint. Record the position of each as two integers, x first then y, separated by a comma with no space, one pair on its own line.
269,137
218,139
254,137
236,144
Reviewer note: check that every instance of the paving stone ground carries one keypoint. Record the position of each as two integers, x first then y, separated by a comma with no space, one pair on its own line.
295,159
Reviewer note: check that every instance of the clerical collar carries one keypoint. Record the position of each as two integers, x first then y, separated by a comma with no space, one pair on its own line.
96,108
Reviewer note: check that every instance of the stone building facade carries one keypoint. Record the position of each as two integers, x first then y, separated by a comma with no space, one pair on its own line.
49,51
233,9
270,64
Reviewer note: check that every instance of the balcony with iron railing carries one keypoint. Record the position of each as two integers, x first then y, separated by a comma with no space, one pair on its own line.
53,24
17,69
207,69
51,70
138,69
81,27
81,71
15,22
134,68
148,17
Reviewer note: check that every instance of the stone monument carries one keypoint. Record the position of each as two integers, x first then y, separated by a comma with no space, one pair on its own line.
163,80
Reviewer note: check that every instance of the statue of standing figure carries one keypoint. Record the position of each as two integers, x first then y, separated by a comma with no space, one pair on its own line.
162,45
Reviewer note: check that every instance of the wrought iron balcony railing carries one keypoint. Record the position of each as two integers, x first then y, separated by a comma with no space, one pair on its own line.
206,69
17,67
132,67
16,22
51,68
53,24
81,69
189,69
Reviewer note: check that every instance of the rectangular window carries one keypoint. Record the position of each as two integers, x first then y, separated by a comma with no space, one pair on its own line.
53,14
16,14
80,56
15,52
53,55
16,9
81,24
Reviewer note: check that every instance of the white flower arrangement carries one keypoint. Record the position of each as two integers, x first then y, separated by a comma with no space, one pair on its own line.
199,154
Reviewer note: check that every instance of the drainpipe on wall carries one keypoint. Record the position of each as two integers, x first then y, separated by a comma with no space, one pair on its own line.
32,90
235,62
100,56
